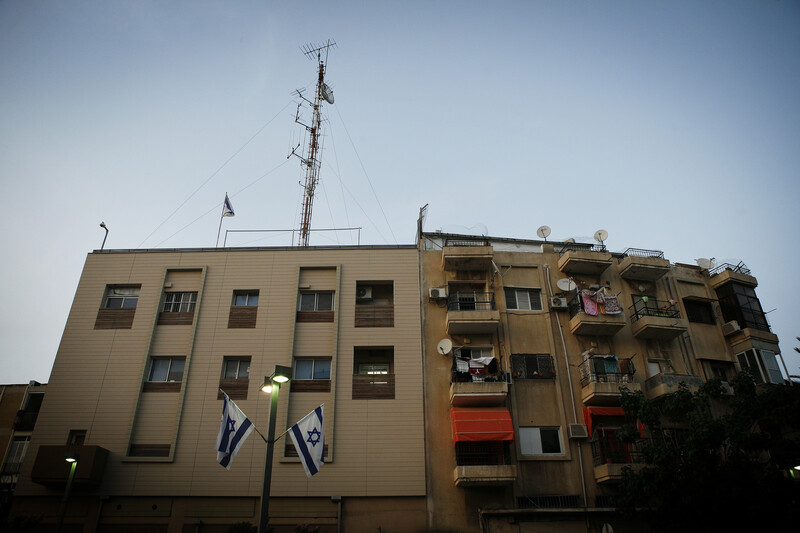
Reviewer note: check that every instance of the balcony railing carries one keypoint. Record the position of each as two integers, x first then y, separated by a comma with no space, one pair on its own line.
471,301
554,501
467,242
577,246
639,252
608,449
591,373
739,268
653,307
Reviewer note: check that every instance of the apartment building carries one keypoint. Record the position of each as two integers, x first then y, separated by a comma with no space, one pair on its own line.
527,344
152,337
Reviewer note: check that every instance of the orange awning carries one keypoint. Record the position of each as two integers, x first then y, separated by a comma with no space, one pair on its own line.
590,412
481,424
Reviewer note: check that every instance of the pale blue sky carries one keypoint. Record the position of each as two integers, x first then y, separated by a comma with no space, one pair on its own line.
672,125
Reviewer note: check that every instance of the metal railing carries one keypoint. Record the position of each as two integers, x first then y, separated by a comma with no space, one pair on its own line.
596,370
640,252
740,268
579,246
554,501
471,301
608,449
653,307
467,242
483,453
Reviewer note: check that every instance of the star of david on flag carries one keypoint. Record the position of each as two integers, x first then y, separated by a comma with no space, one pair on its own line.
308,436
234,429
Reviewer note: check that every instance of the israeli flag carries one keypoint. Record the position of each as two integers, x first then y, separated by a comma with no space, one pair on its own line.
233,431
227,207
308,436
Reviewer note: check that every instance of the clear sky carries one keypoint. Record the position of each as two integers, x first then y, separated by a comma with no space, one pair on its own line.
674,125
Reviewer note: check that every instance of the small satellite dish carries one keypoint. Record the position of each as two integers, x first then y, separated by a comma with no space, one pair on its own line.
327,93
566,284
704,263
600,235
543,232
445,346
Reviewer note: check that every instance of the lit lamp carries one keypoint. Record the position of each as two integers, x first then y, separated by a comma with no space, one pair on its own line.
272,384
72,459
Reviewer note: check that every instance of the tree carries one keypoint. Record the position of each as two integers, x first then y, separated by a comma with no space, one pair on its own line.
715,462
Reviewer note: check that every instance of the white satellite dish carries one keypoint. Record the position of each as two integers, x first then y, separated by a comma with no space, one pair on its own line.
566,284
600,235
327,93
543,232
705,263
445,346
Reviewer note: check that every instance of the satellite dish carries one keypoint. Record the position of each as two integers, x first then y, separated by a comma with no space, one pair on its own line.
543,232
705,263
566,284
600,235
327,93
445,346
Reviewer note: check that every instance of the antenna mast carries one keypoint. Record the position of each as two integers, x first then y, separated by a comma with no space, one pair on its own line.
311,161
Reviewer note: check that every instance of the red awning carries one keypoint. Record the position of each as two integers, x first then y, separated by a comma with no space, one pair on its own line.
481,424
590,412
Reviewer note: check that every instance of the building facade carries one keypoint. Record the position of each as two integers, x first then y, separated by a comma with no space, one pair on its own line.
527,344
153,336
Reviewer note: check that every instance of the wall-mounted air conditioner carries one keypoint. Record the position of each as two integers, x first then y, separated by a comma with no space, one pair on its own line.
364,293
729,328
437,292
558,302
577,431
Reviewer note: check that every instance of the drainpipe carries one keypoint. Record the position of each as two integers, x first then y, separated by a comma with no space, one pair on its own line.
338,500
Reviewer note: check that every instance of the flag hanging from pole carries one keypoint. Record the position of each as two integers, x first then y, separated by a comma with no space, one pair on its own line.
308,436
233,431
227,207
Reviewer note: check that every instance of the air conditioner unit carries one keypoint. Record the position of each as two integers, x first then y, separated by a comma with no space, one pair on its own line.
437,292
364,293
577,431
557,302
729,328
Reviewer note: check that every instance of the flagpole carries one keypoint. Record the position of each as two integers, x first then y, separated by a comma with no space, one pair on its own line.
221,216
263,523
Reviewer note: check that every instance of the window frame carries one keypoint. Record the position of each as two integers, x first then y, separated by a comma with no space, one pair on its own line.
696,309
314,361
532,445
171,360
527,291
530,375
248,294
239,360
765,374
191,303
316,300
124,298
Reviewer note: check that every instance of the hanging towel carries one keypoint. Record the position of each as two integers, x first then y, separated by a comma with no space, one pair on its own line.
599,297
611,305
589,306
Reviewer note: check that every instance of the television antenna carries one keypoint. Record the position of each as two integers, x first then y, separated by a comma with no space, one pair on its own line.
543,232
706,264
445,346
311,159
600,235
566,284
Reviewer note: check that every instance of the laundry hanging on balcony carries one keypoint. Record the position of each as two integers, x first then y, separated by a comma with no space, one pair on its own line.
607,302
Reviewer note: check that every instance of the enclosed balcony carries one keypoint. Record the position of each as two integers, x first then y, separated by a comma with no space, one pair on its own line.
643,265
665,383
472,313
50,468
467,254
588,320
656,319
601,379
584,259
482,440
611,455
476,382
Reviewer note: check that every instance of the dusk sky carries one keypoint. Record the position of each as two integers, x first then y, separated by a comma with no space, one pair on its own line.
673,125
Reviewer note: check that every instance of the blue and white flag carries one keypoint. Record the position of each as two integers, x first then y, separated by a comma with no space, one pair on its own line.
227,207
233,431
308,436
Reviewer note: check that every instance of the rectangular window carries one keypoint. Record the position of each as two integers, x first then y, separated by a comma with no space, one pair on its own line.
121,297
659,366
762,365
537,366
179,302
236,368
374,304
76,437
316,301
312,375
245,298
473,353
11,466
523,299
244,309
165,374
739,302
540,440
373,374
118,307
699,311
235,377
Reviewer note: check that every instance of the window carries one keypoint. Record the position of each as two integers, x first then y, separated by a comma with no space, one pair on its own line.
739,302
699,311
118,307
121,297
374,304
165,374
473,353
523,299
316,301
245,298
16,454
244,309
762,365
659,366
540,440
179,302
312,369
532,367
373,374
235,377
76,437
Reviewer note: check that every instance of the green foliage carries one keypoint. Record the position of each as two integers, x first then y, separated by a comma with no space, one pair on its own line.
715,462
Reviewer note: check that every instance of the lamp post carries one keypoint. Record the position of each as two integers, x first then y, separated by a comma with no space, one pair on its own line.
103,225
272,384
72,459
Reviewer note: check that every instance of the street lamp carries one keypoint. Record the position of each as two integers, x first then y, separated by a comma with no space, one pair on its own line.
103,225
272,384
72,459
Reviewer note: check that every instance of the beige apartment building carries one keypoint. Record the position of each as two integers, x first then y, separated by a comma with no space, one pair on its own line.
154,334
527,344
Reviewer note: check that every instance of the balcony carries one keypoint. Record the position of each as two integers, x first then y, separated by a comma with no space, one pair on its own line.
643,265
478,393
484,475
726,273
656,319
602,377
50,468
584,259
599,324
472,313
483,464
665,383
467,254
611,456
